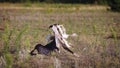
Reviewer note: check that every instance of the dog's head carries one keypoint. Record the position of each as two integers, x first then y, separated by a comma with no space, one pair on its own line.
53,25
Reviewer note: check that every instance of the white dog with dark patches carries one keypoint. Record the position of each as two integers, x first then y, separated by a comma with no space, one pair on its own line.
61,37
56,41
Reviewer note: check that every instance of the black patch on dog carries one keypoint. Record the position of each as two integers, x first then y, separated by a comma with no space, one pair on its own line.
45,49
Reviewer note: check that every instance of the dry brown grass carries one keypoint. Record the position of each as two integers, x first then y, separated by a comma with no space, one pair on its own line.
91,25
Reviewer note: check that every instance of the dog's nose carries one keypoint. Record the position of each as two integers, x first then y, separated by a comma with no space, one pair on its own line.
50,26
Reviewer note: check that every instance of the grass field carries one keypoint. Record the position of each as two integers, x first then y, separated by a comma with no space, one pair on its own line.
24,26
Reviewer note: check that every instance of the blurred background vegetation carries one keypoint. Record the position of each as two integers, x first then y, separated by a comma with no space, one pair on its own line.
114,4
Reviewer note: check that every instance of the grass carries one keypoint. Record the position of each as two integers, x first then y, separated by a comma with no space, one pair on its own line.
97,42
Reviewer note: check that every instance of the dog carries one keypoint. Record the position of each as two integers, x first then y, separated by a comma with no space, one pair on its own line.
48,48
53,45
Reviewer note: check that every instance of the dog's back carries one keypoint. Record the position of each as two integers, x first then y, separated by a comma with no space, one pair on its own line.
44,49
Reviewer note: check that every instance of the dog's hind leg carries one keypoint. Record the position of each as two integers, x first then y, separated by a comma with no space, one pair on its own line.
70,51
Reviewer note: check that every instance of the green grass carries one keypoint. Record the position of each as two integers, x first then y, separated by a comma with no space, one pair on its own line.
27,27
